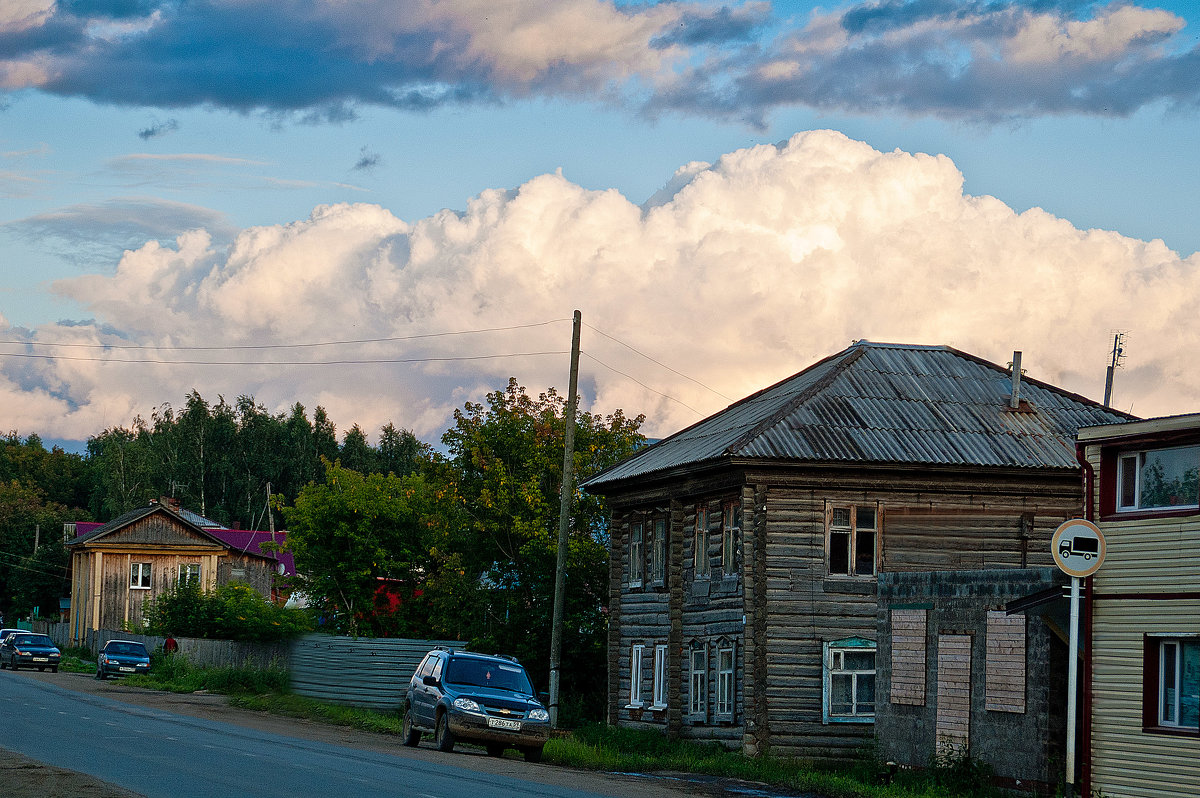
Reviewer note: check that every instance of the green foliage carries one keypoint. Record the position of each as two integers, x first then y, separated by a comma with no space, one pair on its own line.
30,578
176,675
366,549
231,612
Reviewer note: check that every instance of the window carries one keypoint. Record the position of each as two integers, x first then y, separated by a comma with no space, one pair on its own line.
658,552
635,676
1004,662
660,677
1159,479
637,558
731,526
850,681
189,571
852,540
698,683
725,684
700,544
1172,681
139,575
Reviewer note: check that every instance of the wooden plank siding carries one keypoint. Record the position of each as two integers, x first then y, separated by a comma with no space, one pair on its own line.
1149,586
783,606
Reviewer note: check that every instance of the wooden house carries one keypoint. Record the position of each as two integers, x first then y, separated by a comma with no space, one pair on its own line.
746,549
115,568
1141,708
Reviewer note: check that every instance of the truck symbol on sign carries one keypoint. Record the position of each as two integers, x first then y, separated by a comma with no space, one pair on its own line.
1083,546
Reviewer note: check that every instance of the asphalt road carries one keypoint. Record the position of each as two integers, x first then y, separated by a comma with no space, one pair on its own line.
70,735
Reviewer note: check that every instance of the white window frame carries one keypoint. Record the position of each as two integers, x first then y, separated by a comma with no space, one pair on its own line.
731,527
852,529
1169,706
698,683
726,684
660,677
637,554
189,571
635,675
701,563
1135,461
658,551
833,666
139,576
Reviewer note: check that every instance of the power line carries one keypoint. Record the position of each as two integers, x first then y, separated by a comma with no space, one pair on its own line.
658,363
639,382
359,362
311,344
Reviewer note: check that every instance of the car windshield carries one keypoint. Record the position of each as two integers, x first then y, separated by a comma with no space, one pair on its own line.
488,673
31,640
131,649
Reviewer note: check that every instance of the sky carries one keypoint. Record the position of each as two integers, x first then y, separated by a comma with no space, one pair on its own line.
389,207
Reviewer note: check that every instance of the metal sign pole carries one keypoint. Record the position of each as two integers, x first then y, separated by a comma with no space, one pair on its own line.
1072,686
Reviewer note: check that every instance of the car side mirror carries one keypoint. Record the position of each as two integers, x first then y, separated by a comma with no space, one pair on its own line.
430,680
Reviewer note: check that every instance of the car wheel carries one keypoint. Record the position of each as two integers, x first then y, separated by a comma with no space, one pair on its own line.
442,736
408,734
533,754
100,673
2,665
495,749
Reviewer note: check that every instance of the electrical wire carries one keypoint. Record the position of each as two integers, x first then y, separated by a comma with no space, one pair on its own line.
639,382
657,362
347,362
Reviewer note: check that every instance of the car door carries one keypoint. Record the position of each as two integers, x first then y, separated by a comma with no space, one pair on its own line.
419,700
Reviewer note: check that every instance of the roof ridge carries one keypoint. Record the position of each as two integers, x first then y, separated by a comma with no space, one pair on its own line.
850,355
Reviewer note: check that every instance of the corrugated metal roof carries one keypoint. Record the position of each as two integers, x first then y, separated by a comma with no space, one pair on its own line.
887,404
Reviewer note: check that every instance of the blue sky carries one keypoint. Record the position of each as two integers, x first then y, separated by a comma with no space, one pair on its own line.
126,124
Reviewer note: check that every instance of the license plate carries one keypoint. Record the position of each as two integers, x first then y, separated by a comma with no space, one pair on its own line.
123,669
41,659
500,723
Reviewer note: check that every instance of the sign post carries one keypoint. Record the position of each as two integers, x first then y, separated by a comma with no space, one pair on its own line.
1078,548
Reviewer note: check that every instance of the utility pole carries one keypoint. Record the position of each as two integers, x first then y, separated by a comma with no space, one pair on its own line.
564,523
1118,355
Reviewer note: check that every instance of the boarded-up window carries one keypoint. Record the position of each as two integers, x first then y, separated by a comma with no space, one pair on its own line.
1004,689
908,657
953,694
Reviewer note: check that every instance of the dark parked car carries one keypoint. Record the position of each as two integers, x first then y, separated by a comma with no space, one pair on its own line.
459,696
121,658
28,650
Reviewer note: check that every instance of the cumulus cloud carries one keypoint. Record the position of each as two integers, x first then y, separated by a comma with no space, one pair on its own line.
317,61
741,272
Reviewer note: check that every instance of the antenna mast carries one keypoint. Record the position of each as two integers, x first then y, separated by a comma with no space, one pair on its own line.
1118,357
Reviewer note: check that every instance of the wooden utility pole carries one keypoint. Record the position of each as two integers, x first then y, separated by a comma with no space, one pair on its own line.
564,524
1118,354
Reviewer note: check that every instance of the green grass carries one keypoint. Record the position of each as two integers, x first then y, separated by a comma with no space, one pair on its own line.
177,675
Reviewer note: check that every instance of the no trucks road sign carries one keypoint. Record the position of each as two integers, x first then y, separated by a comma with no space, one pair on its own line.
1078,547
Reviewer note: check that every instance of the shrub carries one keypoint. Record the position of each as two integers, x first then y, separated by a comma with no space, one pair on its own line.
231,612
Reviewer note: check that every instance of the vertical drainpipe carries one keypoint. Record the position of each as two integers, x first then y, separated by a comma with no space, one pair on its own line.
1089,488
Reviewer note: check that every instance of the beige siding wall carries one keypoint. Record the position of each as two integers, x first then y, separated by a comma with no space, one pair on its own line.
1127,761
1145,558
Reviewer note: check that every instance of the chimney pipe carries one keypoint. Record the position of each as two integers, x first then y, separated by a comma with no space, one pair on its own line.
1015,401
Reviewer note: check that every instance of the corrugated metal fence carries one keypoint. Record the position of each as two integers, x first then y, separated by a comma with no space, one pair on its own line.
358,671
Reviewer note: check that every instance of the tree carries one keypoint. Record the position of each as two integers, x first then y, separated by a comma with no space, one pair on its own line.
361,541
505,462
31,577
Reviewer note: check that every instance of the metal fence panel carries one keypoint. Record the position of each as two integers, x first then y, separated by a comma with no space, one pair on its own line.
358,671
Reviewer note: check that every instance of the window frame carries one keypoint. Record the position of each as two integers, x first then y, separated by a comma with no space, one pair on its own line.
637,553
731,527
1133,459
188,571
140,576
636,655
659,694
852,544
833,665
1154,684
658,551
701,562
698,682
726,707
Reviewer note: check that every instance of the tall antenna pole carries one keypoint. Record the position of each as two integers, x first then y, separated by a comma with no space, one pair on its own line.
564,523
1118,355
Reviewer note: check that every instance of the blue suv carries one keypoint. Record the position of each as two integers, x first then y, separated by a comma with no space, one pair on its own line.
463,697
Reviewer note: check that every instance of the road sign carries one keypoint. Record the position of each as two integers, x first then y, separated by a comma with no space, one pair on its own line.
1078,547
